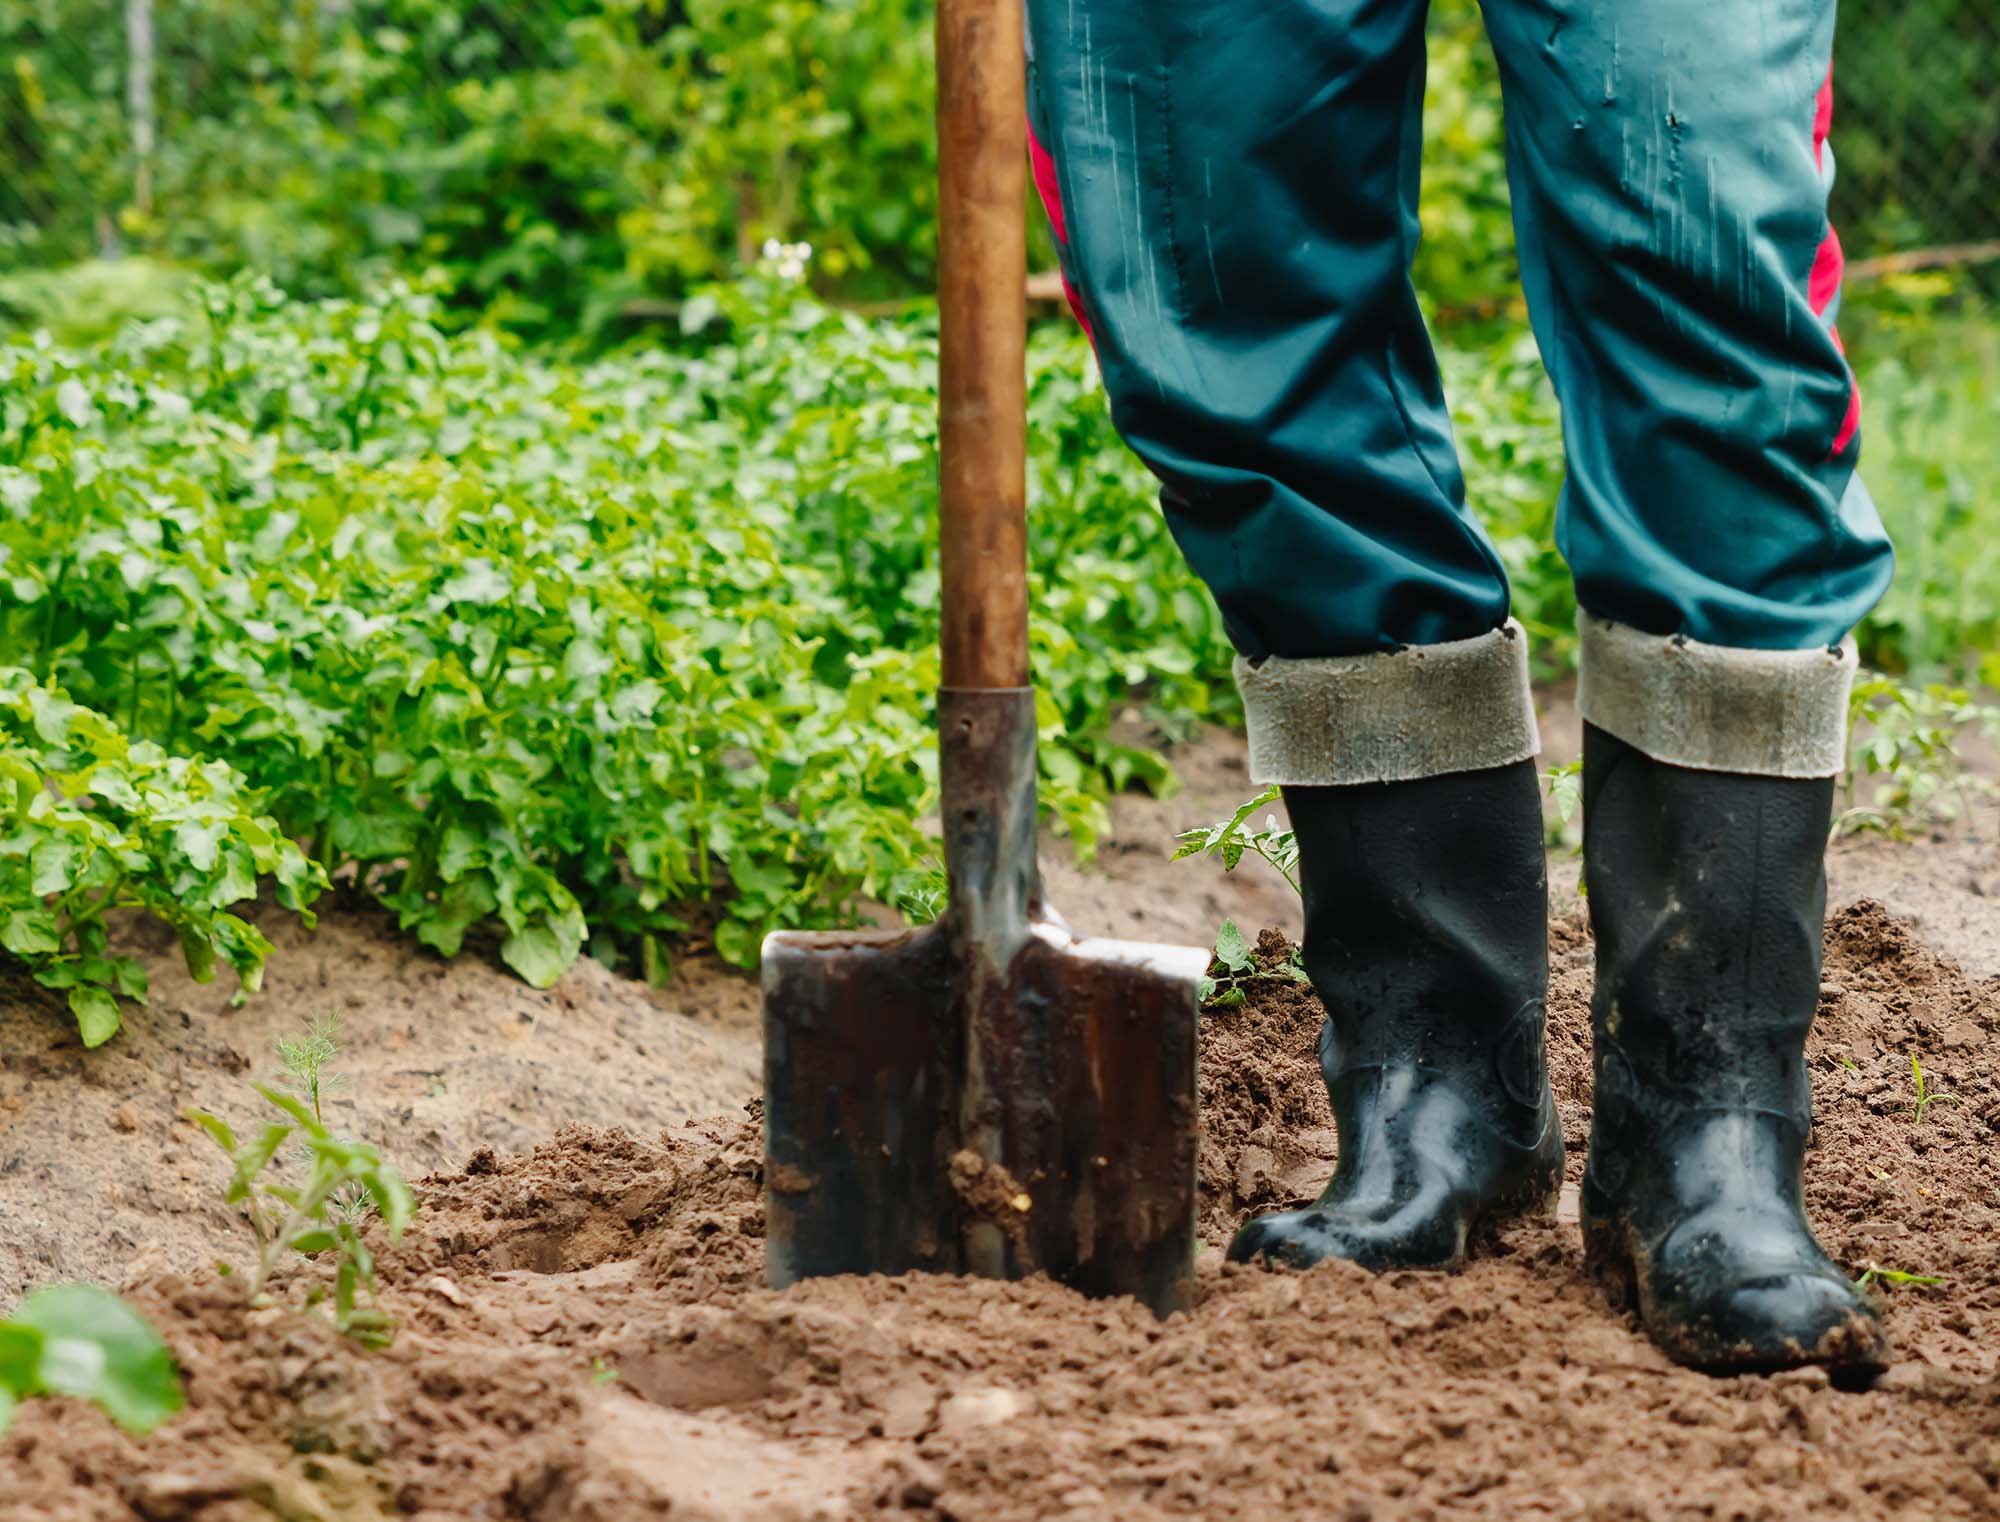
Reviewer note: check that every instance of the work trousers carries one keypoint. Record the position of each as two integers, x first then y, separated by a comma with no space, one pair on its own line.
1233,189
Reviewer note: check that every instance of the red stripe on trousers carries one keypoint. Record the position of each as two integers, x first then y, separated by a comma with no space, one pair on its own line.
1828,264
1043,164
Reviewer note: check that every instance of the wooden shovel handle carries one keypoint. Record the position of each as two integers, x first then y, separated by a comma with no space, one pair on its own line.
982,313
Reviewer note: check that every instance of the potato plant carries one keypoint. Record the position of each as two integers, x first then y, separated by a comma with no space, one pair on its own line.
603,655
92,822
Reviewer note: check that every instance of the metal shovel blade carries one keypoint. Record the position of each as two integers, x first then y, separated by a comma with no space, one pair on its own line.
1087,1169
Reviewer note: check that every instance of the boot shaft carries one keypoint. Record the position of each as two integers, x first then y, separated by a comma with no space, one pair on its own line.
1707,894
1426,907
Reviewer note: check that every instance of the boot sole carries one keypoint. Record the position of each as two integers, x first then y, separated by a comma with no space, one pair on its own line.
1609,1259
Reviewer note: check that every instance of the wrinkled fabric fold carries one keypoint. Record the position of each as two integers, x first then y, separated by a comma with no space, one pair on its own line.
1423,711
1234,193
1761,713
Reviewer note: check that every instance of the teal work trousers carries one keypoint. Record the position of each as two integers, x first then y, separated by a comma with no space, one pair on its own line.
1233,188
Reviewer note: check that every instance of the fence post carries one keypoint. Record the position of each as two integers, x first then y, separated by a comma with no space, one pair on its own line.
139,54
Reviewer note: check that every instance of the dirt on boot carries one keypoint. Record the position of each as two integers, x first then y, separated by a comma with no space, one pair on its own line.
585,1337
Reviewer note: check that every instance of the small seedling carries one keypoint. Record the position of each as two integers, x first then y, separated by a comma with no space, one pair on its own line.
1226,985
1564,785
1228,840
1926,1096
307,1062
77,1339
343,1181
1565,789
602,1373
1235,967
1874,1273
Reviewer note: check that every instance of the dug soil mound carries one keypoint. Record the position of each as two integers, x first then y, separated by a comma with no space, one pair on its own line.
585,1338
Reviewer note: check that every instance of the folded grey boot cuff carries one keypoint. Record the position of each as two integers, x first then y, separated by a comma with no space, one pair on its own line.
1421,711
1714,708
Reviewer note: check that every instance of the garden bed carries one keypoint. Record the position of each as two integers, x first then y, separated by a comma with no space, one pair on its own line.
585,1338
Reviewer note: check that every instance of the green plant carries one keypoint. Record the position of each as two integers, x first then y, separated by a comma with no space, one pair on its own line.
77,1339
1564,786
1910,738
614,656
323,1211
1926,1096
1874,1273
1235,969
1227,840
549,163
93,823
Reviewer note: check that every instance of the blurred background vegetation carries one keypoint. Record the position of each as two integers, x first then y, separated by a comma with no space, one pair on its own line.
569,171
561,162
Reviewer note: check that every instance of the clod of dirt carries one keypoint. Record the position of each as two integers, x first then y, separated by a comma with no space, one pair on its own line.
990,1193
611,1353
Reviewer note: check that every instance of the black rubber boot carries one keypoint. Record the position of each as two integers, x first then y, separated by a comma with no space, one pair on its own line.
1427,938
1707,893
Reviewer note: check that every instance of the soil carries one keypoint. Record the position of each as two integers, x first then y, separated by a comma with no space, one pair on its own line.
584,1335
585,1338
100,1170
99,1167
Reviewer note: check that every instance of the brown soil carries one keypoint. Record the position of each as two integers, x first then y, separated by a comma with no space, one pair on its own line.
99,1167
585,1338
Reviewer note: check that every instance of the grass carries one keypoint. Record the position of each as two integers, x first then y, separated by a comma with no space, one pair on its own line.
1926,1095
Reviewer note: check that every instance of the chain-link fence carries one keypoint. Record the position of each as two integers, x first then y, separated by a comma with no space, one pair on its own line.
522,142
1917,129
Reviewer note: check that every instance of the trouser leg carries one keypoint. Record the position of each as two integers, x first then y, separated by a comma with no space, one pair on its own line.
1233,189
1669,167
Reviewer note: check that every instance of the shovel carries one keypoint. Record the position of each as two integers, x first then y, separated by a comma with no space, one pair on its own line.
990,1094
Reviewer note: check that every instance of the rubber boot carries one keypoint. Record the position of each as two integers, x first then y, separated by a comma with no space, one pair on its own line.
1707,894
1426,936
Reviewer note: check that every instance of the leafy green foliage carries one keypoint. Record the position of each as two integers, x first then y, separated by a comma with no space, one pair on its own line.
1235,968
1908,739
559,163
339,1184
1465,264
613,653
1564,786
92,823
1928,354
619,654
1510,440
77,1339
550,160
1227,840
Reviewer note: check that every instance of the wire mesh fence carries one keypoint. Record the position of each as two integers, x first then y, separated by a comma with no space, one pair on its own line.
297,135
